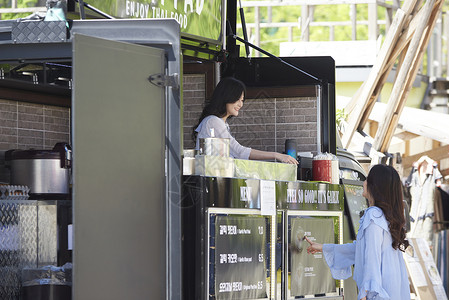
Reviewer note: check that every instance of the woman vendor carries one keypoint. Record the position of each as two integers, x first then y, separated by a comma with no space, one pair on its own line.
227,99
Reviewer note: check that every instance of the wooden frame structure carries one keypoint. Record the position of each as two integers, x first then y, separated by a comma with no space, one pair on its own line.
404,45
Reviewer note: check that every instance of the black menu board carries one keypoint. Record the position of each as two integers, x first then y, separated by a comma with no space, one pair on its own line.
355,202
240,262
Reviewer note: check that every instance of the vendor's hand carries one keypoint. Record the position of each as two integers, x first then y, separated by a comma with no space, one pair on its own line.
314,247
285,158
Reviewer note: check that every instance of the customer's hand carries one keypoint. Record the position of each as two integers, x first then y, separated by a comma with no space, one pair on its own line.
285,158
314,247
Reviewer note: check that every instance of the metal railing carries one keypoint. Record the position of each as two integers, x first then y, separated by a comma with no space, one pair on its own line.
14,9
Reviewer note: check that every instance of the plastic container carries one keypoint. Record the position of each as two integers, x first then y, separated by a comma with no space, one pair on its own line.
322,170
214,146
325,168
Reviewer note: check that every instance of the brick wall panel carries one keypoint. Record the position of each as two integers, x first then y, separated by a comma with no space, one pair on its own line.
30,142
282,135
56,128
56,120
32,109
30,125
56,113
30,133
8,115
6,105
8,123
295,119
25,117
192,107
25,125
5,131
283,105
312,118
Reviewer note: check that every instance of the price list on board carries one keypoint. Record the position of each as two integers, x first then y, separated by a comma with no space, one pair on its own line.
240,262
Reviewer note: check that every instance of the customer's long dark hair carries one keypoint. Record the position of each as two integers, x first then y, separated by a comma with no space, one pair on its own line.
384,186
227,91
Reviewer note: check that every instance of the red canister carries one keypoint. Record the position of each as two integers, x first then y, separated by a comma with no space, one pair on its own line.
322,170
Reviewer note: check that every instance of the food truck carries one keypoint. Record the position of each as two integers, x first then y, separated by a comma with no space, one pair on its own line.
110,96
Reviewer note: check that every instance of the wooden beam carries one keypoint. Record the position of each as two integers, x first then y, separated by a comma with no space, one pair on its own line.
435,154
407,148
373,128
444,172
368,86
383,76
372,101
435,145
400,47
406,136
355,113
391,131
408,32
416,63
396,99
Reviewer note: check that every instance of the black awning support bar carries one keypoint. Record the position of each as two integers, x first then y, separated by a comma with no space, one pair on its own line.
274,57
82,13
245,35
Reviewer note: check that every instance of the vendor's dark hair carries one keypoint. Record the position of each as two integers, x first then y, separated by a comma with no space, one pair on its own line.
228,90
385,187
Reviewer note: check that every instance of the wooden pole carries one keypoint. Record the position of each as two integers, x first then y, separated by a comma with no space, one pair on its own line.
365,93
415,65
396,100
414,69
401,44
435,154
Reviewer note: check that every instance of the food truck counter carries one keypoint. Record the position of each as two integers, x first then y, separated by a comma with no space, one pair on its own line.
243,238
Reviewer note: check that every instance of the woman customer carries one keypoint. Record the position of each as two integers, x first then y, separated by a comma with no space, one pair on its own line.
227,99
379,268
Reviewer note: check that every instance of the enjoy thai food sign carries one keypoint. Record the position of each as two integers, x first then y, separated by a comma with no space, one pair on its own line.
201,18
